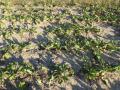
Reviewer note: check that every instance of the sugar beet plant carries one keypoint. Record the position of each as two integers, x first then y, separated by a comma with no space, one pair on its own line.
60,73
10,48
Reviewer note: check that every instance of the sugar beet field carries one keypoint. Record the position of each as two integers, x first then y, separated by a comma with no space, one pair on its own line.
52,46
